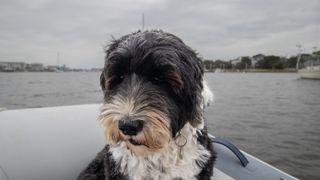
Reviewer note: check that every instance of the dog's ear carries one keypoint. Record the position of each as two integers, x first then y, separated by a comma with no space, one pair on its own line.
189,97
102,81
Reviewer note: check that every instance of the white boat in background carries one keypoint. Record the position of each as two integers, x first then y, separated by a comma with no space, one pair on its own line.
56,143
308,66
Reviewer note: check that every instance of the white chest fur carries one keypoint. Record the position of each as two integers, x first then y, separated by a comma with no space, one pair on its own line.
169,163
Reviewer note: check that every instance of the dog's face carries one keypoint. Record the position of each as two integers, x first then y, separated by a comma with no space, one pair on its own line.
152,85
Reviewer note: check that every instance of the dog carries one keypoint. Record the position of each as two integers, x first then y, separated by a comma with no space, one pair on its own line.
154,98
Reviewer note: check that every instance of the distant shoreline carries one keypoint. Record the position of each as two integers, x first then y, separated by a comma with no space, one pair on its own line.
254,71
222,71
85,71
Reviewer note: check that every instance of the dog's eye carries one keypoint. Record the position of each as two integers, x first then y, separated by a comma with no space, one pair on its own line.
115,80
119,79
156,79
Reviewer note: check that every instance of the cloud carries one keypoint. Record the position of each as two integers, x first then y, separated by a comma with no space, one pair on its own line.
35,30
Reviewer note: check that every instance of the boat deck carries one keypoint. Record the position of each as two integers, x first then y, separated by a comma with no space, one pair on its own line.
57,143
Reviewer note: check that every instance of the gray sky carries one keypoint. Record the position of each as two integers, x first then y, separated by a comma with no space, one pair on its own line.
35,30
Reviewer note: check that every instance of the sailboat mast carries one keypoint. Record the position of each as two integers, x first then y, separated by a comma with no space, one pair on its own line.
58,59
142,21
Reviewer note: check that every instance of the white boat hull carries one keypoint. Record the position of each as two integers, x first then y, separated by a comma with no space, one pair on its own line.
308,74
57,143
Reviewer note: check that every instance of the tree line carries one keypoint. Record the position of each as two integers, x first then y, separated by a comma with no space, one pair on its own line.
259,61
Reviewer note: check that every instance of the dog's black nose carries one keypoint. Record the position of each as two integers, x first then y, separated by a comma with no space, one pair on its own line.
129,127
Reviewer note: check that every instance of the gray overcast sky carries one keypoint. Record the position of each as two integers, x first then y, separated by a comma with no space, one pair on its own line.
35,30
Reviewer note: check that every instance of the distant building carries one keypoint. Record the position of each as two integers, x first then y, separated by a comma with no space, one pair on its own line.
35,67
52,68
235,61
307,60
64,68
12,66
256,58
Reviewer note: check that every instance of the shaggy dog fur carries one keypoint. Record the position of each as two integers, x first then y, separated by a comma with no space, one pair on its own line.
154,96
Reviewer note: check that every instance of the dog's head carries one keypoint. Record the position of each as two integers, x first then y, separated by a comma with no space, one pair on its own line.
152,85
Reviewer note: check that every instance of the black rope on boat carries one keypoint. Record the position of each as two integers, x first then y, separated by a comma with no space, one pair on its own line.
243,160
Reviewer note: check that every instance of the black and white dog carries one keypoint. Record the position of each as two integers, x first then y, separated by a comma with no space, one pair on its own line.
154,96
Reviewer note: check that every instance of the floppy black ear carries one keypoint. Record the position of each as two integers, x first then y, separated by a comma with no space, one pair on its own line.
191,96
102,81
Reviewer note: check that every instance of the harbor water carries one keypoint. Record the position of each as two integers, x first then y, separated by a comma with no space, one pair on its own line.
273,116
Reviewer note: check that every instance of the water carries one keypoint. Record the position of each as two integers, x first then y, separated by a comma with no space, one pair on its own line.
273,116
29,90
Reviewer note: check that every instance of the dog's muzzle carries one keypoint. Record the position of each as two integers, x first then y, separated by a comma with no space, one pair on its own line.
130,127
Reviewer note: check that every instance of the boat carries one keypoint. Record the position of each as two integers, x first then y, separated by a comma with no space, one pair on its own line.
308,66
55,143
